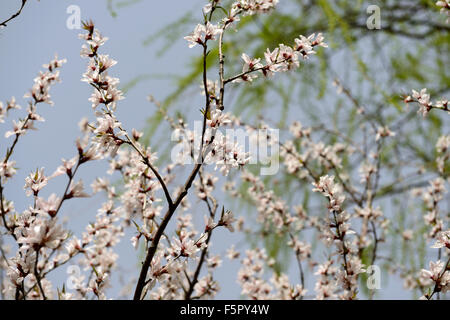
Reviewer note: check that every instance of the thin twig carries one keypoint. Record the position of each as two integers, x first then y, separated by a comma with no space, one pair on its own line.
14,15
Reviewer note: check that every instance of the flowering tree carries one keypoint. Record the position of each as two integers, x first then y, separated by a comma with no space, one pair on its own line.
350,176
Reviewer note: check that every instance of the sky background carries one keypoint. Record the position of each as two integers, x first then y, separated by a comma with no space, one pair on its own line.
33,39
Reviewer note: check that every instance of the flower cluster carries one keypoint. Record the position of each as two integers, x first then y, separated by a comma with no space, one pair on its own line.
432,196
7,169
347,278
328,188
443,150
107,129
281,59
255,287
202,33
10,105
443,240
297,163
438,277
39,94
425,103
272,211
42,83
251,7
383,132
218,148
445,7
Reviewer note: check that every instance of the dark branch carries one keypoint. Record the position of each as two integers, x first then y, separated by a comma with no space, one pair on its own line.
15,15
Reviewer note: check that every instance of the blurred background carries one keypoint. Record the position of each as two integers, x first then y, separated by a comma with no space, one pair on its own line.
410,51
